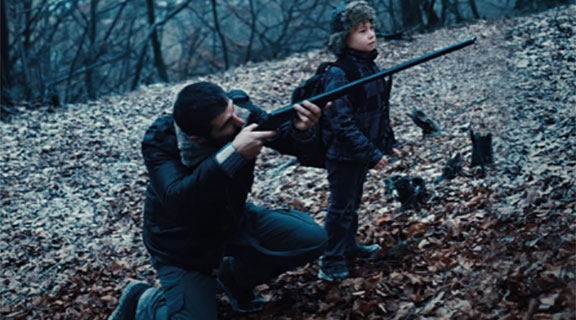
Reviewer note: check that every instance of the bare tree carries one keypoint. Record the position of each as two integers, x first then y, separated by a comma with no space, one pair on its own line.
91,55
433,21
5,68
411,15
156,45
152,29
220,35
474,9
277,28
79,50
252,24
25,22
455,5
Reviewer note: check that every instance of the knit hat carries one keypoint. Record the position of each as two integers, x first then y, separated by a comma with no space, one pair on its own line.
344,19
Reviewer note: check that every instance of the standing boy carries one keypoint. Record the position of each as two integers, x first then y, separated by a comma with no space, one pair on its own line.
357,133
198,228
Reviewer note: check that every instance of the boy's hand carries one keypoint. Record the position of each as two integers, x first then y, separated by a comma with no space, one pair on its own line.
307,115
381,164
248,142
384,161
395,153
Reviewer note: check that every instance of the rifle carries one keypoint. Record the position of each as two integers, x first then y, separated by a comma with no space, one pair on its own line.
282,115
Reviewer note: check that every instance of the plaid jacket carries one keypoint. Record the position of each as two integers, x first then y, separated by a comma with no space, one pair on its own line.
364,133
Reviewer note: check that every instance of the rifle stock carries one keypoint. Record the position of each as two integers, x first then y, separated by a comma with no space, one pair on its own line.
287,113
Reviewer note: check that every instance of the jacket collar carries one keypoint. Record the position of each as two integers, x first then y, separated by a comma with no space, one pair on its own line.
360,56
191,152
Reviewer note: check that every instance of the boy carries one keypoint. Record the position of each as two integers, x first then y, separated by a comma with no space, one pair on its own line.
357,133
198,228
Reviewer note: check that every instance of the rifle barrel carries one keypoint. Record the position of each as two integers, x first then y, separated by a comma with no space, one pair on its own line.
277,117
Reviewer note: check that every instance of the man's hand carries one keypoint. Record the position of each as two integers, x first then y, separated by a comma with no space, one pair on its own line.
307,115
248,142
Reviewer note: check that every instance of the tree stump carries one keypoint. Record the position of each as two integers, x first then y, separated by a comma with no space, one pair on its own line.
481,150
453,167
428,126
410,191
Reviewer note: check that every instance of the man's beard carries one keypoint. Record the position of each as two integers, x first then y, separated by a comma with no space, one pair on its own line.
222,141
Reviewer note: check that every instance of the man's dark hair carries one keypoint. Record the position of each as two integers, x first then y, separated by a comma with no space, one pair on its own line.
197,105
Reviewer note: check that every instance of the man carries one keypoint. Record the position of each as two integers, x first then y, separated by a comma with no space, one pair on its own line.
198,228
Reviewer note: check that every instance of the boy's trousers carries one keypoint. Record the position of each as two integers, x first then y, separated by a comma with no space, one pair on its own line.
276,241
346,181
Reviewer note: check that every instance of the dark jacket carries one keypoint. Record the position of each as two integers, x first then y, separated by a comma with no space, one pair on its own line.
363,133
190,211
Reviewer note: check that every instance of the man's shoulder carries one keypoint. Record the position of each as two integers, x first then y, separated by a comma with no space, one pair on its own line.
161,135
163,125
164,122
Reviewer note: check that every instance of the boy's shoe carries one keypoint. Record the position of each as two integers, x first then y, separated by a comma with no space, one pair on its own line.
333,272
366,251
128,303
242,300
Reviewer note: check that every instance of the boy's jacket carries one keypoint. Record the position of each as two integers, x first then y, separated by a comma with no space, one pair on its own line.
358,134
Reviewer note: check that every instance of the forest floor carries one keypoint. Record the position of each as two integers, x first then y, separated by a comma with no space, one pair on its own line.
499,244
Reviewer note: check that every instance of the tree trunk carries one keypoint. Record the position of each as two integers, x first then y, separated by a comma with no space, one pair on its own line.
156,44
5,68
428,10
392,13
142,54
411,15
23,44
456,10
220,35
252,31
444,14
474,9
92,29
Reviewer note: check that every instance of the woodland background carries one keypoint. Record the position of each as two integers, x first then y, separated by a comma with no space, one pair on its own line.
67,51
498,245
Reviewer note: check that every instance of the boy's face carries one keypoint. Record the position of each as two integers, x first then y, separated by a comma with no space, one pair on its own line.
226,125
362,37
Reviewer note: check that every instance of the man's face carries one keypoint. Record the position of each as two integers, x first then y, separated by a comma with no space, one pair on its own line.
226,125
363,37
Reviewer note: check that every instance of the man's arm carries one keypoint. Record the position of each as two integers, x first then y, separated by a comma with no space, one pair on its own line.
175,183
293,137
178,185
300,135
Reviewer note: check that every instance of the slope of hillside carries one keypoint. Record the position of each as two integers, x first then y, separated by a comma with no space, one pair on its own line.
496,246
